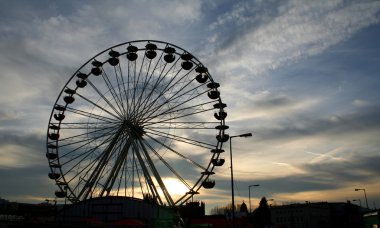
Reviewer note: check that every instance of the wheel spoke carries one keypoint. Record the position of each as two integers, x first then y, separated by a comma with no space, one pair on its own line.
167,165
82,134
100,166
90,115
149,116
179,111
119,79
166,88
156,174
147,174
101,108
181,139
116,167
182,125
178,153
112,90
152,108
146,81
87,143
178,117
88,125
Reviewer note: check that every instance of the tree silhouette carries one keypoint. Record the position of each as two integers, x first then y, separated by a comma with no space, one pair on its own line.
222,210
243,208
261,215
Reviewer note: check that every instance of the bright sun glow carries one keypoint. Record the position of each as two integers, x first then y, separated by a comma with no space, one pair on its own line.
175,187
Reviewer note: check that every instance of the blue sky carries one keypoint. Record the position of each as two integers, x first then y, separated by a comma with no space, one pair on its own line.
303,76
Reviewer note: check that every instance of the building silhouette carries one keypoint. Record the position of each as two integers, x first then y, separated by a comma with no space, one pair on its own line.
317,215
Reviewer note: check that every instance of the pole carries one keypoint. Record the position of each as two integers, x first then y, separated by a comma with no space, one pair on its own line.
365,195
366,201
232,186
249,198
232,177
249,195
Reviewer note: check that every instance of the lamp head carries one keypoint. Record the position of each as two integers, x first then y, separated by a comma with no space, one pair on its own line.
254,185
246,135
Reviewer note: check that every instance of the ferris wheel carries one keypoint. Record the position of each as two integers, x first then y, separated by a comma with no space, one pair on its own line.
133,120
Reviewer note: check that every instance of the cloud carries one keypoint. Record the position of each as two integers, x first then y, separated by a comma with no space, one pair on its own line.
360,103
21,149
320,177
47,49
266,105
26,184
90,26
362,168
295,31
363,121
307,154
13,156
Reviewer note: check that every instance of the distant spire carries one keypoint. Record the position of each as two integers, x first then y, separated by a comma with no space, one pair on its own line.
243,207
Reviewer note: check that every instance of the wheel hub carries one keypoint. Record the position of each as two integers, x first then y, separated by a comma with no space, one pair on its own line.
133,129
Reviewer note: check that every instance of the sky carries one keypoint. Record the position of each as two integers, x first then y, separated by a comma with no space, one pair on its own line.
302,76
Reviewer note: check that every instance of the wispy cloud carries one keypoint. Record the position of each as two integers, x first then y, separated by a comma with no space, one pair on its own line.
335,126
266,105
292,31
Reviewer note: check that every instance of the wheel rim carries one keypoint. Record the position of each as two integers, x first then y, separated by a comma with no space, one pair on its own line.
133,118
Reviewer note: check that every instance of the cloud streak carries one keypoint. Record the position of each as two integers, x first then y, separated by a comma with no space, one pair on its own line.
294,31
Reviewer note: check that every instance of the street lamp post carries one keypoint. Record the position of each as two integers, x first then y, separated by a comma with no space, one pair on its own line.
232,176
365,195
249,195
